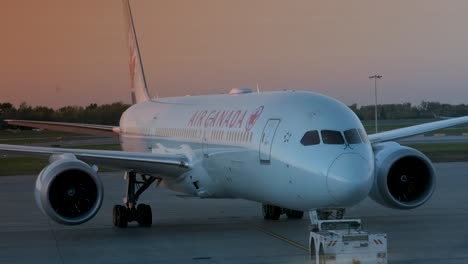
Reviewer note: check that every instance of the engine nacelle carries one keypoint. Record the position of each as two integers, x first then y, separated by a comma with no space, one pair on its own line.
68,190
404,177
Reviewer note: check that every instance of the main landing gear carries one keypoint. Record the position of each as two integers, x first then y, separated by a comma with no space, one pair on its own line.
272,212
122,215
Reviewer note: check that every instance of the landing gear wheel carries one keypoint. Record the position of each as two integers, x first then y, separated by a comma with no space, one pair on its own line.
137,184
120,216
293,214
265,211
271,212
144,215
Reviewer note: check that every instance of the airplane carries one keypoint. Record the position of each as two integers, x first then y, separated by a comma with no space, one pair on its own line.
291,151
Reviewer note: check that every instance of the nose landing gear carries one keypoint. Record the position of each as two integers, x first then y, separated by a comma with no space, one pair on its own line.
272,212
122,215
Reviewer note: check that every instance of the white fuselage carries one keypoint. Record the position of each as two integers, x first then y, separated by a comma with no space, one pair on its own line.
249,146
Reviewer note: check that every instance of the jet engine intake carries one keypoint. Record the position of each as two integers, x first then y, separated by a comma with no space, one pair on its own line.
404,177
68,190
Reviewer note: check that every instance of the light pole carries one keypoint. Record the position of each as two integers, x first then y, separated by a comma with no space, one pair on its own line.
375,77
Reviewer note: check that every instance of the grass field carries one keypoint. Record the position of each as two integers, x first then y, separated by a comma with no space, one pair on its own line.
444,152
21,165
12,134
26,137
27,165
385,125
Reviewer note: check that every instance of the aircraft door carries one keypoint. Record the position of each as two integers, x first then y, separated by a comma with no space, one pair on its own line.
206,134
267,140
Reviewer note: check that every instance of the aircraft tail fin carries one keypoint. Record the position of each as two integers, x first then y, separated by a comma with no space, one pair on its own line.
139,90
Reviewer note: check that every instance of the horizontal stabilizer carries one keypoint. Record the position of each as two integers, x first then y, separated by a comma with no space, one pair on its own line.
88,129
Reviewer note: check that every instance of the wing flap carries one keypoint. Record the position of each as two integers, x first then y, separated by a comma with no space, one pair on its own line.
165,164
88,129
416,130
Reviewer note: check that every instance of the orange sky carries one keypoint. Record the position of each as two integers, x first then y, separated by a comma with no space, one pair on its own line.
62,52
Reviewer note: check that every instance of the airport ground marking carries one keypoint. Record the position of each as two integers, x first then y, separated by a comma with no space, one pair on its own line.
280,237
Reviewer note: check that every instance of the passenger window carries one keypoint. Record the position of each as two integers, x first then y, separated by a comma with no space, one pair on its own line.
363,135
332,137
352,136
310,138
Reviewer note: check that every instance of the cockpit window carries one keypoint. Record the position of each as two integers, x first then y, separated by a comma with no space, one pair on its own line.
310,138
352,136
363,135
332,137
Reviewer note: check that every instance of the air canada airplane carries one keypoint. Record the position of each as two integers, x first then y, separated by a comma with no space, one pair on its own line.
292,151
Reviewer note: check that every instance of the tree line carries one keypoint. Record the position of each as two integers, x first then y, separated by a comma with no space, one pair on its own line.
109,114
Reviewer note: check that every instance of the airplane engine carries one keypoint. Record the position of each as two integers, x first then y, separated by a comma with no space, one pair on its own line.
68,190
404,177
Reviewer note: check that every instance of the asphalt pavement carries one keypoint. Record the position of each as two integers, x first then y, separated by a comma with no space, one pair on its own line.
193,230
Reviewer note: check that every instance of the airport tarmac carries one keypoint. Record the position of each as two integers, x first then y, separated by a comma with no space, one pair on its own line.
192,230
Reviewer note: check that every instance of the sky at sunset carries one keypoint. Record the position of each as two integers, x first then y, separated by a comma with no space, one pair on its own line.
74,52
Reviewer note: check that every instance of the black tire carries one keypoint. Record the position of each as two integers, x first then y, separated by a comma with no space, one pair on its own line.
293,214
275,212
265,211
120,216
271,212
144,215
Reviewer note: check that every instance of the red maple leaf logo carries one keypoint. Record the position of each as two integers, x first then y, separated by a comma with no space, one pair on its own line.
253,118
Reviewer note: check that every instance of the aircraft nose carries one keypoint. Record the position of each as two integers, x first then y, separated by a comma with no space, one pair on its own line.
349,179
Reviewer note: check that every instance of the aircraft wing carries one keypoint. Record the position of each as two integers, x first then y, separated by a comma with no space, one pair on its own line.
164,164
98,130
416,130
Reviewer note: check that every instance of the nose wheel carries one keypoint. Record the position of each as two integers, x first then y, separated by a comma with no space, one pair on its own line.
272,212
124,214
293,214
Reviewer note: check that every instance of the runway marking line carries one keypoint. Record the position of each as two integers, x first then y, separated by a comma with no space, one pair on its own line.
282,238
